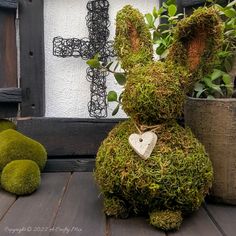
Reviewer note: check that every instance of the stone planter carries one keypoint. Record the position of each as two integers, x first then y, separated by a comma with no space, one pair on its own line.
214,124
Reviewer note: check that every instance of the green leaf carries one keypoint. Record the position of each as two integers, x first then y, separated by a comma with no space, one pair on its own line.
233,3
160,50
216,74
198,87
116,110
112,96
210,97
230,13
172,9
171,2
227,79
155,12
150,20
120,78
227,65
94,62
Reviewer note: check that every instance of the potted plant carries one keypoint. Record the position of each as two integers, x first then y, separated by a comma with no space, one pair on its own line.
211,112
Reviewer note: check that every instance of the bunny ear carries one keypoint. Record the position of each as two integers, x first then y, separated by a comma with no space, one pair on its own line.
197,39
133,42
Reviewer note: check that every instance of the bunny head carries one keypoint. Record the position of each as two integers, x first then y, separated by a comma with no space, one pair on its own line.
155,91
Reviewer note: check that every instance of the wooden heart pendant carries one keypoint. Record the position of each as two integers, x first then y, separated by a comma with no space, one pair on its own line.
143,144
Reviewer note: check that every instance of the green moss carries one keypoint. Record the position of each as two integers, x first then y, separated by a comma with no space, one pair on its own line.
6,124
153,93
205,25
177,176
16,146
20,177
166,220
115,207
133,42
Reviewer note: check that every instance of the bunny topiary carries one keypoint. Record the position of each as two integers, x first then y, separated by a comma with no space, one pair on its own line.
176,177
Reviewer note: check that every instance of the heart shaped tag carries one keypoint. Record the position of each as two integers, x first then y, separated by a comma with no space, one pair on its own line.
143,144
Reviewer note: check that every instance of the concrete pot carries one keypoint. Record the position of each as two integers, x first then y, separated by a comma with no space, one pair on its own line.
214,124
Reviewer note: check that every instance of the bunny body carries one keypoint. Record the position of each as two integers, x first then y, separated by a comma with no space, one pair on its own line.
178,174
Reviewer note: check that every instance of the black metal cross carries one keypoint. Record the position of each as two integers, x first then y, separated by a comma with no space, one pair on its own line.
98,26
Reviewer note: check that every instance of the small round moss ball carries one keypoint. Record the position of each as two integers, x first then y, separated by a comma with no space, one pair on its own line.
21,177
16,146
166,220
6,124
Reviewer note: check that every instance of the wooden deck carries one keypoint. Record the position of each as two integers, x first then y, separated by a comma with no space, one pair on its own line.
70,204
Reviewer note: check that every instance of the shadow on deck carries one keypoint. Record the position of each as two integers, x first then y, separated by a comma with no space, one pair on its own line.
70,204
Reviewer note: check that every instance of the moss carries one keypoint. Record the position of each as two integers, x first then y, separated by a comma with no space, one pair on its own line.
21,177
166,220
153,93
177,176
115,207
6,124
197,39
16,146
133,42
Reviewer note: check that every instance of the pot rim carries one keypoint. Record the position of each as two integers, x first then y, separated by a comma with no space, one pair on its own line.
211,100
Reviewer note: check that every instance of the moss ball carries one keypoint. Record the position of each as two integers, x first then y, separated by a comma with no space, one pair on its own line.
6,124
153,93
177,176
21,177
16,146
166,220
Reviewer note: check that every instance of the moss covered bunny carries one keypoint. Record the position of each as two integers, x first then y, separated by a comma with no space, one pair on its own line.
174,180
21,160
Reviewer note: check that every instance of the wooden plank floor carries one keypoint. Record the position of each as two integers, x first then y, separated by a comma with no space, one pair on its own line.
70,204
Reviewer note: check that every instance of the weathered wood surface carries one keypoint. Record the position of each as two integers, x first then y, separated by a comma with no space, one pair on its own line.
67,136
70,204
67,164
6,201
225,217
137,226
32,57
37,211
8,110
8,65
8,4
10,95
82,207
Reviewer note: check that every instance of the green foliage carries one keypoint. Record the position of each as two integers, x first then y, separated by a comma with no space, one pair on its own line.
216,85
162,34
16,146
176,177
94,62
166,220
6,124
21,177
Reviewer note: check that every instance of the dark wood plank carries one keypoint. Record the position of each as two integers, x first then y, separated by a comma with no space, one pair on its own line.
37,211
6,201
8,64
32,57
133,227
10,95
8,110
8,3
224,216
81,208
198,224
66,164
67,136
